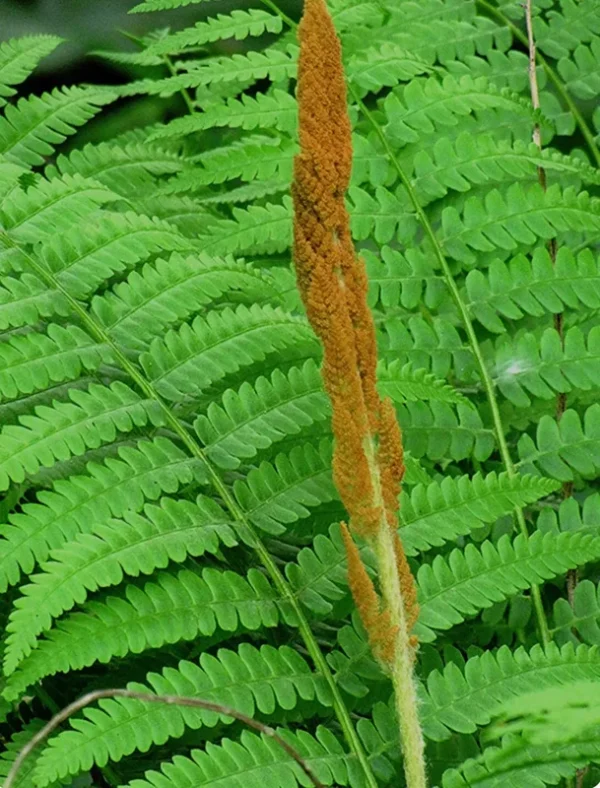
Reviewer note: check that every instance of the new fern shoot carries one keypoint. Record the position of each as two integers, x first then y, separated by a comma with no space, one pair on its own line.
298,400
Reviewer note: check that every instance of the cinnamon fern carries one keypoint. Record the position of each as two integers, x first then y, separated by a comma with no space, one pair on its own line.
350,275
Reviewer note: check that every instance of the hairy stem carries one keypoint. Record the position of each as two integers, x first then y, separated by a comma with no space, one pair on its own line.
171,700
402,673
486,378
250,537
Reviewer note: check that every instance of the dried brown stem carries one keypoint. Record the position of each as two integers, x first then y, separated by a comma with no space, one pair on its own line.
173,700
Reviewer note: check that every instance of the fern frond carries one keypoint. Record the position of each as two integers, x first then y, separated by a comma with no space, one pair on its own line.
170,608
274,64
137,544
77,504
547,365
255,758
238,25
466,582
123,168
442,511
438,429
34,126
32,362
505,221
384,65
424,105
85,256
467,160
564,448
401,383
18,58
403,279
464,698
274,110
67,429
162,5
189,360
256,416
12,748
277,494
533,287
249,679
564,30
168,291
581,616
265,228
51,207
25,299
385,216
249,159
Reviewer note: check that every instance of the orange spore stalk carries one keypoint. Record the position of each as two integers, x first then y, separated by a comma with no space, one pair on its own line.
368,460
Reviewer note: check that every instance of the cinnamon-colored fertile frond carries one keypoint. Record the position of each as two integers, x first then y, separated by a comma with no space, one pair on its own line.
377,622
368,459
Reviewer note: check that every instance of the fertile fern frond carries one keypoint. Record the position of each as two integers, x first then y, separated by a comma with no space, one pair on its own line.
248,679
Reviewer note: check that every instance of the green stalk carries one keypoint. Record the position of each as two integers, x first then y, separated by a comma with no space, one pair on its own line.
252,538
472,337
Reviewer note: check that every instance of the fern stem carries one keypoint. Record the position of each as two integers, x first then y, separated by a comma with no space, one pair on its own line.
473,341
237,513
402,670
552,75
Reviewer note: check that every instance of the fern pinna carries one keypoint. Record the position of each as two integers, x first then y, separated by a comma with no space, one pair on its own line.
170,520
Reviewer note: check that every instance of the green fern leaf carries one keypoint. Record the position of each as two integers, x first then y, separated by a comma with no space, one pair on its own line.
254,758
404,279
162,5
187,361
564,448
31,129
137,544
274,495
51,207
25,299
85,256
249,679
166,292
518,217
454,588
78,504
168,609
12,749
277,109
126,169
546,365
522,287
582,615
426,104
32,362
442,511
384,66
18,58
238,25
564,30
266,228
273,64
464,698
67,429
